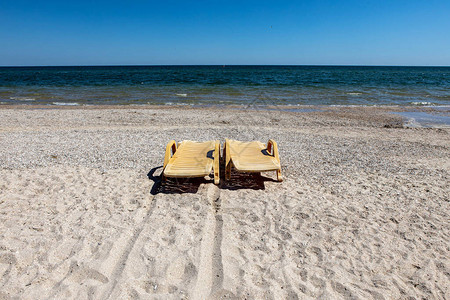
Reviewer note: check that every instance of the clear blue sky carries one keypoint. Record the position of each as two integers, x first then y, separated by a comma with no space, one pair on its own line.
356,32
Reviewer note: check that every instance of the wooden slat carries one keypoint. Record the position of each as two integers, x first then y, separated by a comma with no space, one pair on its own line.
252,157
191,159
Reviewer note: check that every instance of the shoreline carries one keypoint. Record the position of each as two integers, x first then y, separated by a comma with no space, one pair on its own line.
413,116
250,105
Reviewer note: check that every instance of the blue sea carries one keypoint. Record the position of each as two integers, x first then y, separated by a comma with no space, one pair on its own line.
223,85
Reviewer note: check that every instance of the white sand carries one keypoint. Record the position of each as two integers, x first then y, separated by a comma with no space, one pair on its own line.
363,212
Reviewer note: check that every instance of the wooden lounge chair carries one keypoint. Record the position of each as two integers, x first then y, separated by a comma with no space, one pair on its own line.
251,157
191,159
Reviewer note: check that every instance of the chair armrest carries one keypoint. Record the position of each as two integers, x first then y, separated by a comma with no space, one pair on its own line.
226,152
216,163
171,148
272,148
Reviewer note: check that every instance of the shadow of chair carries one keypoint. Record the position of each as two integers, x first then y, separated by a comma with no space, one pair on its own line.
238,181
174,185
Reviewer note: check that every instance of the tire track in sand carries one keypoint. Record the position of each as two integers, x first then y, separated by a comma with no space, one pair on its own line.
120,265
210,272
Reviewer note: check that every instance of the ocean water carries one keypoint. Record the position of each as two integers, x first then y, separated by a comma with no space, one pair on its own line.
221,85
417,119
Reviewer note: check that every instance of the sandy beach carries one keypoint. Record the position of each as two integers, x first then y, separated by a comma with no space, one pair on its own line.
362,213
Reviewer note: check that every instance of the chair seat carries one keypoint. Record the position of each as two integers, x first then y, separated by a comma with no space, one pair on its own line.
192,159
252,157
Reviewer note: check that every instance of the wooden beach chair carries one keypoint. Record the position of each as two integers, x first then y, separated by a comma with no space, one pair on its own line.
251,157
191,159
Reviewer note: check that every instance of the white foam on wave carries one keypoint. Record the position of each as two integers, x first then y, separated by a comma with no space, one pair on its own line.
421,103
178,104
22,98
363,105
66,103
354,94
181,95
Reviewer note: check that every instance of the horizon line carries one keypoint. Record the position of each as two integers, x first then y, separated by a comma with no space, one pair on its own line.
219,65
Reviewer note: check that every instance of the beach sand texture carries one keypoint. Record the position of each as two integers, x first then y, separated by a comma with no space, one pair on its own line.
362,213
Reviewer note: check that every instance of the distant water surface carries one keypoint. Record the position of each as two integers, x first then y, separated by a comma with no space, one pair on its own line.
218,85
